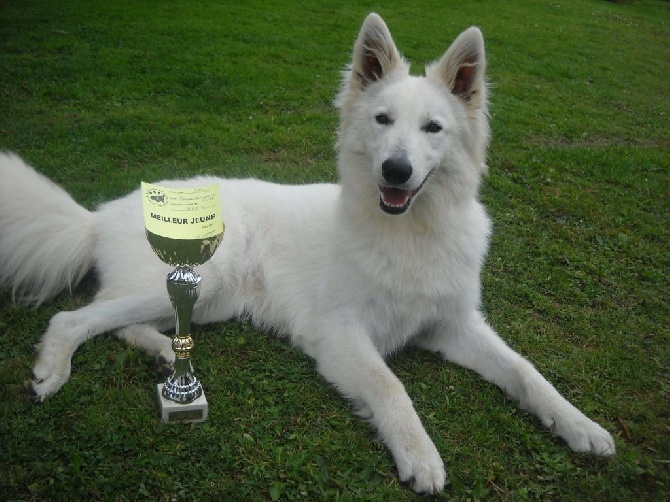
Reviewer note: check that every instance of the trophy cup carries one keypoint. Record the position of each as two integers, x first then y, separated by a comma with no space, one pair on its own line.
184,228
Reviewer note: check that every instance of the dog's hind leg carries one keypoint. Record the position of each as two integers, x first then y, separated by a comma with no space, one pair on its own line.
152,341
472,343
68,330
351,362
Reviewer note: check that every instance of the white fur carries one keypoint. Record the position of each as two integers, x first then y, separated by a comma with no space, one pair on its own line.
322,264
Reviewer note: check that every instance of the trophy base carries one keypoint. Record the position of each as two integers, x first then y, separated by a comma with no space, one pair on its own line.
195,411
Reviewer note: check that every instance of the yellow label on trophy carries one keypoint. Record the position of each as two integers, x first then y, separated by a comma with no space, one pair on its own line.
182,213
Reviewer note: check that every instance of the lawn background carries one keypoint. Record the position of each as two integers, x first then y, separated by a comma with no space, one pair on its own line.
101,95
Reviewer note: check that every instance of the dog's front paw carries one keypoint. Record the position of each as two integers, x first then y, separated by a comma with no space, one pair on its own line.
422,469
46,379
584,435
165,363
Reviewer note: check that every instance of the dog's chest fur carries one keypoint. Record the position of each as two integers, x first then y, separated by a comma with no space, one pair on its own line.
408,277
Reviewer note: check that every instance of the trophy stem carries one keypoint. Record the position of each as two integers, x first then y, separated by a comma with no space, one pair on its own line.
183,285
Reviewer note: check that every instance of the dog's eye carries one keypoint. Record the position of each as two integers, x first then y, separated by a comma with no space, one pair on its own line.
432,127
382,119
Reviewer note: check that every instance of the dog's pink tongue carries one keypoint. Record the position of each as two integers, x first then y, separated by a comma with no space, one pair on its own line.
395,196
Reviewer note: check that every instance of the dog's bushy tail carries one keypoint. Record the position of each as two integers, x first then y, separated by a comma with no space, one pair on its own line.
46,238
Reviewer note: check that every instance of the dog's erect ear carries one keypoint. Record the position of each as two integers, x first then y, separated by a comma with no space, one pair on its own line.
375,54
462,68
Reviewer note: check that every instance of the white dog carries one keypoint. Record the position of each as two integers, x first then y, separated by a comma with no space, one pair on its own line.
351,272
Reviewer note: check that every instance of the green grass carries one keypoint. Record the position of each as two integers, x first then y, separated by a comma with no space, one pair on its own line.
102,95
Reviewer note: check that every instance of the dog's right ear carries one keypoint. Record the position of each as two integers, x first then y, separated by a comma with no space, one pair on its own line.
375,53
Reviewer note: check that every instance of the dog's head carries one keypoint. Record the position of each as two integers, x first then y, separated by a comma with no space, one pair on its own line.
402,137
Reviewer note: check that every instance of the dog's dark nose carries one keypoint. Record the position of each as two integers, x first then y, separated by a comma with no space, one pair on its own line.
397,170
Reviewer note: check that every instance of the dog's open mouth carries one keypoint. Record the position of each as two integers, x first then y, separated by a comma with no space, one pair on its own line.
395,200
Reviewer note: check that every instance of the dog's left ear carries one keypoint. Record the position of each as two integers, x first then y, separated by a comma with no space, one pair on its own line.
463,67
